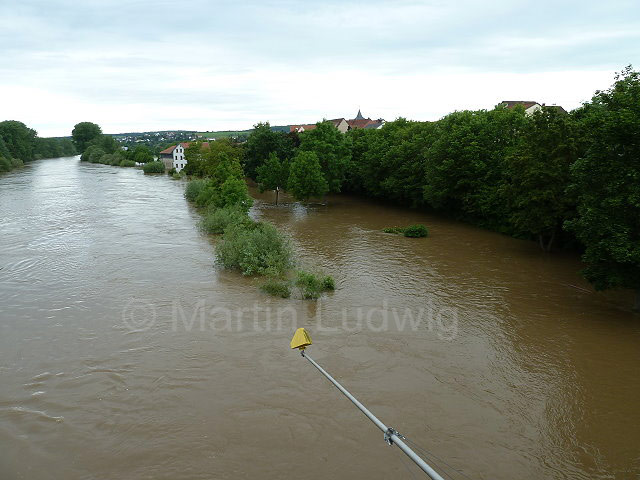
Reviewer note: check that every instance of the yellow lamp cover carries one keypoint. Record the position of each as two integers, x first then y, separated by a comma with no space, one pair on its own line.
301,339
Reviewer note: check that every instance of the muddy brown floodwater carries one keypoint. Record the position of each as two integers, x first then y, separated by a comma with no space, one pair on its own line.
125,353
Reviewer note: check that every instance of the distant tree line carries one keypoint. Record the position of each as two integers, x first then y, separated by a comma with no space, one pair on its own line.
96,147
20,144
565,180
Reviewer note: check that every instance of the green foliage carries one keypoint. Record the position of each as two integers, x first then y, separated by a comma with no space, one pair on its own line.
19,141
262,142
153,167
8,164
234,192
606,181
273,174
537,174
416,231
203,161
412,231
216,220
276,288
255,249
389,163
95,155
305,178
394,230
104,142
312,285
193,189
142,154
83,133
333,150
127,163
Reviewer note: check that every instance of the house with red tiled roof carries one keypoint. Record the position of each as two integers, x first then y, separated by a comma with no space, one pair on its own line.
361,122
530,107
174,156
340,123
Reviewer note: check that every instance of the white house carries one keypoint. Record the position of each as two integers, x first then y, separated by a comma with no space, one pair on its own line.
174,156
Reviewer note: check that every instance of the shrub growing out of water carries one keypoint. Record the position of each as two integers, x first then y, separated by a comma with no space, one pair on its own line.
416,231
194,187
256,248
96,154
216,220
8,164
396,230
153,167
276,288
311,285
127,163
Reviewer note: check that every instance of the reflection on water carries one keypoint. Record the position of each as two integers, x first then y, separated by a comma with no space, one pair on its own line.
514,370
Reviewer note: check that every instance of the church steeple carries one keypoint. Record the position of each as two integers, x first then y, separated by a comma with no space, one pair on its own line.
359,116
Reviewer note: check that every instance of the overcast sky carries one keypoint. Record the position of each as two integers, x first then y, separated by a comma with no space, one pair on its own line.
205,65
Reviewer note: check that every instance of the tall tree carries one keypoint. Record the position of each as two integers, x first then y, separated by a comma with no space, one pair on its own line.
19,139
607,183
305,178
538,174
273,175
261,143
333,150
83,133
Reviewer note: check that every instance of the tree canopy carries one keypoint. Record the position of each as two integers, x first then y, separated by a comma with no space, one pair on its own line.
83,133
19,140
606,181
305,178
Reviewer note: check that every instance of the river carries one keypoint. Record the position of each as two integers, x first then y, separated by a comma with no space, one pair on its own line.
125,353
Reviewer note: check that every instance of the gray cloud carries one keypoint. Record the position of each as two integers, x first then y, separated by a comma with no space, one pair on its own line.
231,62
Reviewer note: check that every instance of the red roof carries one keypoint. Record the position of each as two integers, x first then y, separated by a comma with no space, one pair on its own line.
296,128
512,103
359,123
169,150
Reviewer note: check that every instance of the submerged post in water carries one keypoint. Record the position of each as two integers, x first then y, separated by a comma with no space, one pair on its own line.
302,340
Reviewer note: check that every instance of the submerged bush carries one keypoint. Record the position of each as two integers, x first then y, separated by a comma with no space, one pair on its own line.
194,187
96,154
256,248
216,220
312,285
153,167
8,164
416,231
276,288
396,230
127,163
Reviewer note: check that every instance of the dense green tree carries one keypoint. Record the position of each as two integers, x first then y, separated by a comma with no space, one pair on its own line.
19,139
4,150
389,163
262,142
234,193
333,150
465,164
110,144
606,181
83,133
306,179
538,174
141,154
273,174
